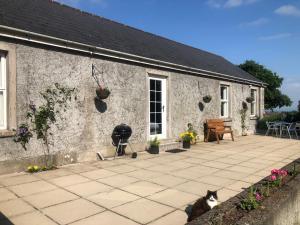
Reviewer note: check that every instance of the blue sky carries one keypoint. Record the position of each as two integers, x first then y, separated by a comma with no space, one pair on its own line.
267,31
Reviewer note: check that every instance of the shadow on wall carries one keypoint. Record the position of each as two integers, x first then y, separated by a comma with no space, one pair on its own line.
100,105
4,220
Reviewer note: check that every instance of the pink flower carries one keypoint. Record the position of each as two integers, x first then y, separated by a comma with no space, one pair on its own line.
274,171
283,173
258,197
273,177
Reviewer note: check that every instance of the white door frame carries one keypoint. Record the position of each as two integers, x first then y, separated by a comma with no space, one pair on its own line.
163,108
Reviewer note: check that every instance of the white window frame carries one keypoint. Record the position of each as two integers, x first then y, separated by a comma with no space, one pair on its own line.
253,104
3,89
226,101
163,135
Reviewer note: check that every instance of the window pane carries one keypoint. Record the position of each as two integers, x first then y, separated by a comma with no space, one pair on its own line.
158,85
2,108
252,109
158,118
158,107
152,128
152,96
152,117
152,107
158,97
222,109
224,95
152,84
158,128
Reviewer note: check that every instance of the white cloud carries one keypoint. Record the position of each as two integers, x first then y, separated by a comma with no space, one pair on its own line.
229,3
214,3
255,23
275,37
288,10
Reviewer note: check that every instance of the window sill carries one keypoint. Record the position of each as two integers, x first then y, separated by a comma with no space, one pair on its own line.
7,133
253,118
227,119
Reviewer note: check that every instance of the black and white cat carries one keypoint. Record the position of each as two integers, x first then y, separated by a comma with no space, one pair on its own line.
203,205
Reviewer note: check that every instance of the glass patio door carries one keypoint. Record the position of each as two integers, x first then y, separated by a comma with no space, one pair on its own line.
157,106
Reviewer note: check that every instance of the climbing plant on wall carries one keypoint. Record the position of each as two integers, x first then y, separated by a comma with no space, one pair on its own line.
42,118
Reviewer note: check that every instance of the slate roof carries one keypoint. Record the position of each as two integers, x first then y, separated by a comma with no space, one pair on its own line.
54,19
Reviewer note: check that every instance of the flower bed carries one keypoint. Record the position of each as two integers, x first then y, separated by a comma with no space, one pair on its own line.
266,202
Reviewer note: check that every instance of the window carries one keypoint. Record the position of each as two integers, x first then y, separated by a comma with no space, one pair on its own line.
224,91
3,92
253,108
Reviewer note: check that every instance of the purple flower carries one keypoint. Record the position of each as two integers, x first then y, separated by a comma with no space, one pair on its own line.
258,197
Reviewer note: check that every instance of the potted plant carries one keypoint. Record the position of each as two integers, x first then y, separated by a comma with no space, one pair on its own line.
192,130
186,138
207,98
102,93
154,146
250,99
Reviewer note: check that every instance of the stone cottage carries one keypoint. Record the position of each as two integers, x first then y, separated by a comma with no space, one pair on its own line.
156,84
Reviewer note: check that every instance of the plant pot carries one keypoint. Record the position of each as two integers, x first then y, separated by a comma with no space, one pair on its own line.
250,99
186,144
102,93
207,99
153,150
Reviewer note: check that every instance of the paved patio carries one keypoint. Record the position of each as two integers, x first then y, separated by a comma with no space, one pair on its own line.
152,189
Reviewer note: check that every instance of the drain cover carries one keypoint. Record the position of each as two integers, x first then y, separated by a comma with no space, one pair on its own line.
177,150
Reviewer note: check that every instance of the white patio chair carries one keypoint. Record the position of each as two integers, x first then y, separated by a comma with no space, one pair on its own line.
289,129
272,126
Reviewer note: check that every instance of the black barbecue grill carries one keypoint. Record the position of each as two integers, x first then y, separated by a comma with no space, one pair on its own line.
120,137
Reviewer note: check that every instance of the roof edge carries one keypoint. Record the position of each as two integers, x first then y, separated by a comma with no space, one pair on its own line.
33,37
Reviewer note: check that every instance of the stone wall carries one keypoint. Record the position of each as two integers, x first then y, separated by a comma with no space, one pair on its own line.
89,124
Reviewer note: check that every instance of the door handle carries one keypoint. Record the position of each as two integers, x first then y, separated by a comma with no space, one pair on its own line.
163,108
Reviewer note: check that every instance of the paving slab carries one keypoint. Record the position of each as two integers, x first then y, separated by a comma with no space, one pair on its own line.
113,198
14,207
120,180
72,211
17,179
69,180
143,188
175,218
46,199
105,218
143,211
173,198
88,188
97,174
6,195
34,218
32,188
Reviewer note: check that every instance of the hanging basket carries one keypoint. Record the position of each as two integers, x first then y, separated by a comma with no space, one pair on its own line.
102,93
207,98
250,99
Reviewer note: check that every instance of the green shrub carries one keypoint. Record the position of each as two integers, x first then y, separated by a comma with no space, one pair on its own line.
278,116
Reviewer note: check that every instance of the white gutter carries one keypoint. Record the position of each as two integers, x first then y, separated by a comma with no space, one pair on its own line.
24,35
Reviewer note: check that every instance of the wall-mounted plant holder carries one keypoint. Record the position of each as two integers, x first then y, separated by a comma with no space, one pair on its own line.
102,92
207,98
249,99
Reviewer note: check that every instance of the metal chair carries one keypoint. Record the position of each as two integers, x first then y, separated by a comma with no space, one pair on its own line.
289,128
272,126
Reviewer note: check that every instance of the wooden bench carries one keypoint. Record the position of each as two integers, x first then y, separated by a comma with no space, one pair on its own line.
218,127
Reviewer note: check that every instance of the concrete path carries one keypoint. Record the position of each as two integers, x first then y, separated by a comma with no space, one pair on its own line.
152,189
